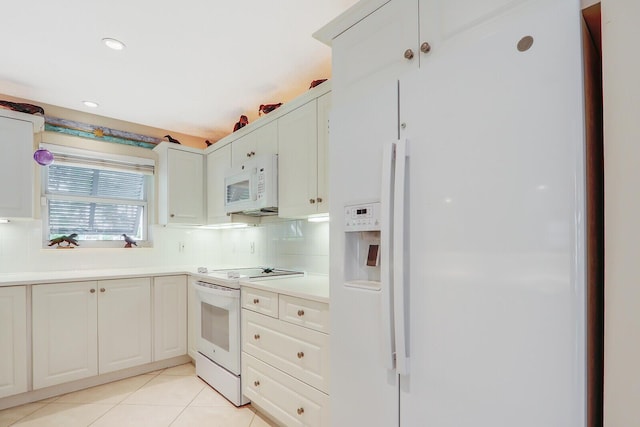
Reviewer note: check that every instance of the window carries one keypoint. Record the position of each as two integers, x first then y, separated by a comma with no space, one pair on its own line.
96,199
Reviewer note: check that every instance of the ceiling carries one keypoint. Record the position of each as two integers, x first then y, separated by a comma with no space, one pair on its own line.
190,66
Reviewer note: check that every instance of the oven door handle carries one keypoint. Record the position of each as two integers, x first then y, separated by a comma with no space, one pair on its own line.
231,293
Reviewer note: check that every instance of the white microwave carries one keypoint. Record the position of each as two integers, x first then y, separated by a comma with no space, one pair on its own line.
252,187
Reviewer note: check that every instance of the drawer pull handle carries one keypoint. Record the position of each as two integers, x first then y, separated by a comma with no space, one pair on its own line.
300,313
300,355
300,411
256,337
256,300
102,289
256,383
93,291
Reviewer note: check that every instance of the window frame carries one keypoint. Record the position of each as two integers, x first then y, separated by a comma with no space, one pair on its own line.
95,160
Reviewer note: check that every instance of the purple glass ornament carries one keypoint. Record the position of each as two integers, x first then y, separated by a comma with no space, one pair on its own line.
43,157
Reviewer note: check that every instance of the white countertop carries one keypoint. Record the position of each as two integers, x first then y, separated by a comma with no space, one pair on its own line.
35,278
311,286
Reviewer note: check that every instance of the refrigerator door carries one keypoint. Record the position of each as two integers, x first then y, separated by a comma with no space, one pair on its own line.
364,390
496,184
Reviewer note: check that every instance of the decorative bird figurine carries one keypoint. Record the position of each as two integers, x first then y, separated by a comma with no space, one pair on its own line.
317,82
21,107
70,240
242,122
129,241
171,139
267,108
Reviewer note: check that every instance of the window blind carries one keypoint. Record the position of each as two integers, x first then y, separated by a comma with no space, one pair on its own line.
98,204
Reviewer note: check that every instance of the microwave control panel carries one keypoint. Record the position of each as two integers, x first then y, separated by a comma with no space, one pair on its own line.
362,217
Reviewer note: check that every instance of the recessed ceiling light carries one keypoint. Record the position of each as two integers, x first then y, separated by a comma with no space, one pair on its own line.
113,43
90,104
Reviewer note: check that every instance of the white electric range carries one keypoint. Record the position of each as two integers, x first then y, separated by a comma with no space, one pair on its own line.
218,323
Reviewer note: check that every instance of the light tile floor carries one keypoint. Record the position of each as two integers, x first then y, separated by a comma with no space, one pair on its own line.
171,397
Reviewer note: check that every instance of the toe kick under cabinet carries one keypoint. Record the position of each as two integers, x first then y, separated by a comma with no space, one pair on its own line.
285,363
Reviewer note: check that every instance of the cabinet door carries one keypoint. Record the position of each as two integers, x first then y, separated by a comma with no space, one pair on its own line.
185,187
13,340
217,163
169,316
372,51
16,168
263,140
65,340
298,161
322,195
124,323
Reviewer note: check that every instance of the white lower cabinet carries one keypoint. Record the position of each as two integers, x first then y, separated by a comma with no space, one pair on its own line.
285,365
124,323
169,316
13,340
285,398
83,329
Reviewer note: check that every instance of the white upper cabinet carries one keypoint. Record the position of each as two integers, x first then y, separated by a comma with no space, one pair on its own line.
373,50
258,142
16,163
13,340
218,162
180,178
302,162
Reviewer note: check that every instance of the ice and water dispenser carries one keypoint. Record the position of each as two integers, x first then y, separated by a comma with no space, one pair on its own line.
362,246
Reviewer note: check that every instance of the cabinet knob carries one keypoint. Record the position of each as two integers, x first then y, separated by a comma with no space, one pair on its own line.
300,313
319,200
172,215
256,337
300,354
93,291
408,54
102,289
312,201
425,47
300,411
256,300
248,154
256,383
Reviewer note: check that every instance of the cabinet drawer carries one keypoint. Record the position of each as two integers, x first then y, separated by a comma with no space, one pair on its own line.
260,301
298,351
310,314
286,399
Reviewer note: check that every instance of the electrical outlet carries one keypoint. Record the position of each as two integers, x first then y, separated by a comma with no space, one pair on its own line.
180,246
252,247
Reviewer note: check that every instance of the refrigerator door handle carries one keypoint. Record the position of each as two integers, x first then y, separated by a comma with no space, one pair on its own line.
386,259
399,286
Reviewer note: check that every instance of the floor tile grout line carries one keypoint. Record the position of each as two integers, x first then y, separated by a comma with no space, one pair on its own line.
187,405
25,416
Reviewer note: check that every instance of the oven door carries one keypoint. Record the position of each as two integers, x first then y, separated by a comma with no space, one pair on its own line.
218,324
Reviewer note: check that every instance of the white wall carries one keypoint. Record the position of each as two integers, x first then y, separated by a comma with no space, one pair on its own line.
621,75
288,244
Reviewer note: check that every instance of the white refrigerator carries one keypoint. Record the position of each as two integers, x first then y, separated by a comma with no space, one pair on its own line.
458,229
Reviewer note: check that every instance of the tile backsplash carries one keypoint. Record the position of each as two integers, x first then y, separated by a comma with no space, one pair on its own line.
295,244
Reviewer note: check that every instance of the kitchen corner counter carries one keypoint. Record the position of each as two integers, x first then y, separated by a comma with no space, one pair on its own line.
313,287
